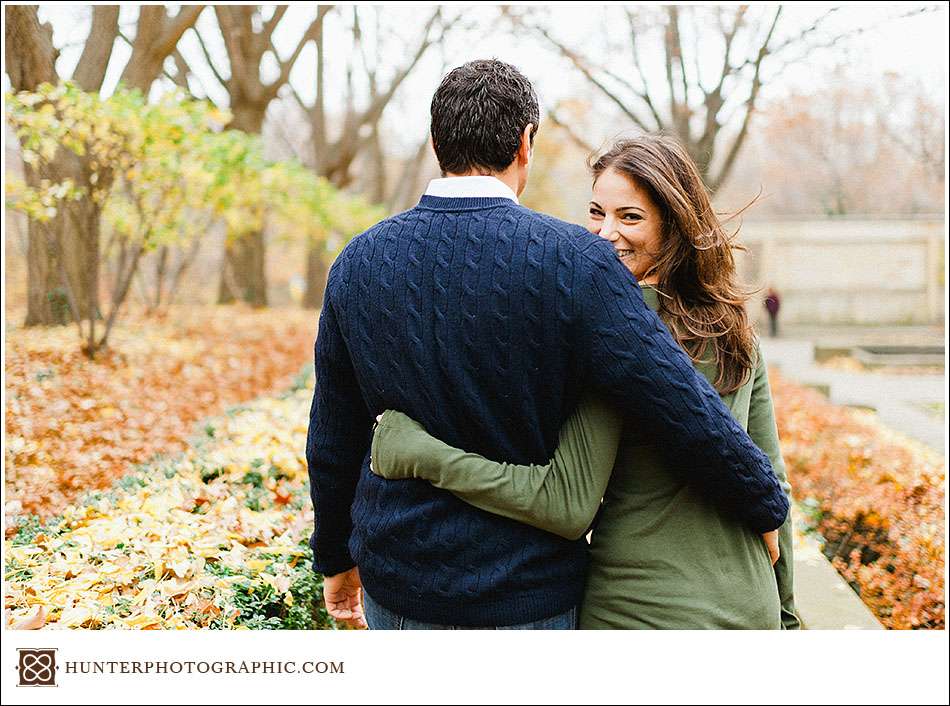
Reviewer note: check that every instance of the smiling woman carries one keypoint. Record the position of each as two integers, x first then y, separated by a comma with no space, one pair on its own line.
624,213
650,202
662,553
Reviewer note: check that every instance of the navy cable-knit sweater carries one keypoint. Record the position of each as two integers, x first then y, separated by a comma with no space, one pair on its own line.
485,321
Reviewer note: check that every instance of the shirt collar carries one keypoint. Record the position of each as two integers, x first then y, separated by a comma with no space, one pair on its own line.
470,187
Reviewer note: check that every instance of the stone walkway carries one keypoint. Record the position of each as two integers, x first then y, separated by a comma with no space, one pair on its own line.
899,400
840,336
823,600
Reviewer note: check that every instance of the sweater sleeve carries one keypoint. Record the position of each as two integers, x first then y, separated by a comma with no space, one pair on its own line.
561,496
338,439
627,354
764,432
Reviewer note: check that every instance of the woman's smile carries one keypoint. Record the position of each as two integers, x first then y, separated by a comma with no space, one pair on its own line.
623,212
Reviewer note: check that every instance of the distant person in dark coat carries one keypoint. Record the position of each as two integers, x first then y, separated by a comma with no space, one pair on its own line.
772,304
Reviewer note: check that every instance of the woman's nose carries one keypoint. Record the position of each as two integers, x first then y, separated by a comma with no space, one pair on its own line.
609,231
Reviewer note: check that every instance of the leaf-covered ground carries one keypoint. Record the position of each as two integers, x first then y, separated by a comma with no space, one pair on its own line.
876,497
73,425
213,534
216,538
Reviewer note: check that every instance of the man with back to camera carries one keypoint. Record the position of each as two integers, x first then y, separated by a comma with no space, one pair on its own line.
484,321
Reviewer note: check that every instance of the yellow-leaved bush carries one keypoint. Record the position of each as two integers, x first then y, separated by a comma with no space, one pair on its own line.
163,171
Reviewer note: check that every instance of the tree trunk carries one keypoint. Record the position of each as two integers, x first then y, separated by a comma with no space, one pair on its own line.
243,274
90,216
29,50
69,243
55,249
66,244
80,247
47,303
30,58
318,266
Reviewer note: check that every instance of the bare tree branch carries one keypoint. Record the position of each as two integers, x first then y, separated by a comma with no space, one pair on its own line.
288,64
299,100
156,37
677,49
729,38
334,161
643,93
91,69
583,66
318,122
702,106
569,131
234,23
739,140
183,71
805,33
375,109
208,59
176,26
274,20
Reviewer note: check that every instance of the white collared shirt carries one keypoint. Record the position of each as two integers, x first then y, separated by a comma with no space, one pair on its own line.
470,187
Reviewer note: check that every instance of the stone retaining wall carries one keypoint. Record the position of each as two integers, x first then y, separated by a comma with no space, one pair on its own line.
848,270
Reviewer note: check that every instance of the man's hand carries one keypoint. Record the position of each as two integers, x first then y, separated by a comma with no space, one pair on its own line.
771,541
343,594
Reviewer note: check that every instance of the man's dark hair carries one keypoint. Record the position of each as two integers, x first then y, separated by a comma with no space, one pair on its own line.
479,113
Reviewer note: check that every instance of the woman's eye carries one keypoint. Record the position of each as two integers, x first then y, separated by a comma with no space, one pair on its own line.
595,213
632,217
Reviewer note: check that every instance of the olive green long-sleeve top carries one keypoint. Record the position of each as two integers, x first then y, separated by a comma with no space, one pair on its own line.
662,556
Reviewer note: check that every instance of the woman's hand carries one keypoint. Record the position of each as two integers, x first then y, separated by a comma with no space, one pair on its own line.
771,541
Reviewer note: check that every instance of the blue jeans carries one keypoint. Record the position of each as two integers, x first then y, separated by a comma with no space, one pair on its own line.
381,618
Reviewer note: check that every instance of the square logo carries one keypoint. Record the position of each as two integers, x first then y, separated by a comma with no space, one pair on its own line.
37,667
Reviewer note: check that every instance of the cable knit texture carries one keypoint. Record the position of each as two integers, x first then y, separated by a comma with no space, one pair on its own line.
485,321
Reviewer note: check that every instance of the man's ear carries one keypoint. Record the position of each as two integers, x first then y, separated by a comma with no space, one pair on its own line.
525,149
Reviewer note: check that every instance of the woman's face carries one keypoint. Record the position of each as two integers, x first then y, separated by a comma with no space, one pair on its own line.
623,213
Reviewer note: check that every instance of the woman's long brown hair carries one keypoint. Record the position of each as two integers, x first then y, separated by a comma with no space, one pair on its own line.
701,300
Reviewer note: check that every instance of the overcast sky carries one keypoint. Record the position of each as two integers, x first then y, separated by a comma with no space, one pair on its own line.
913,46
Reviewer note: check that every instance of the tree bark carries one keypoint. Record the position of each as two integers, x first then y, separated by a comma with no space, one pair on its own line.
46,303
30,58
94,61
30,54
243,275
156,36
318,267
247,38
82,259
63,254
